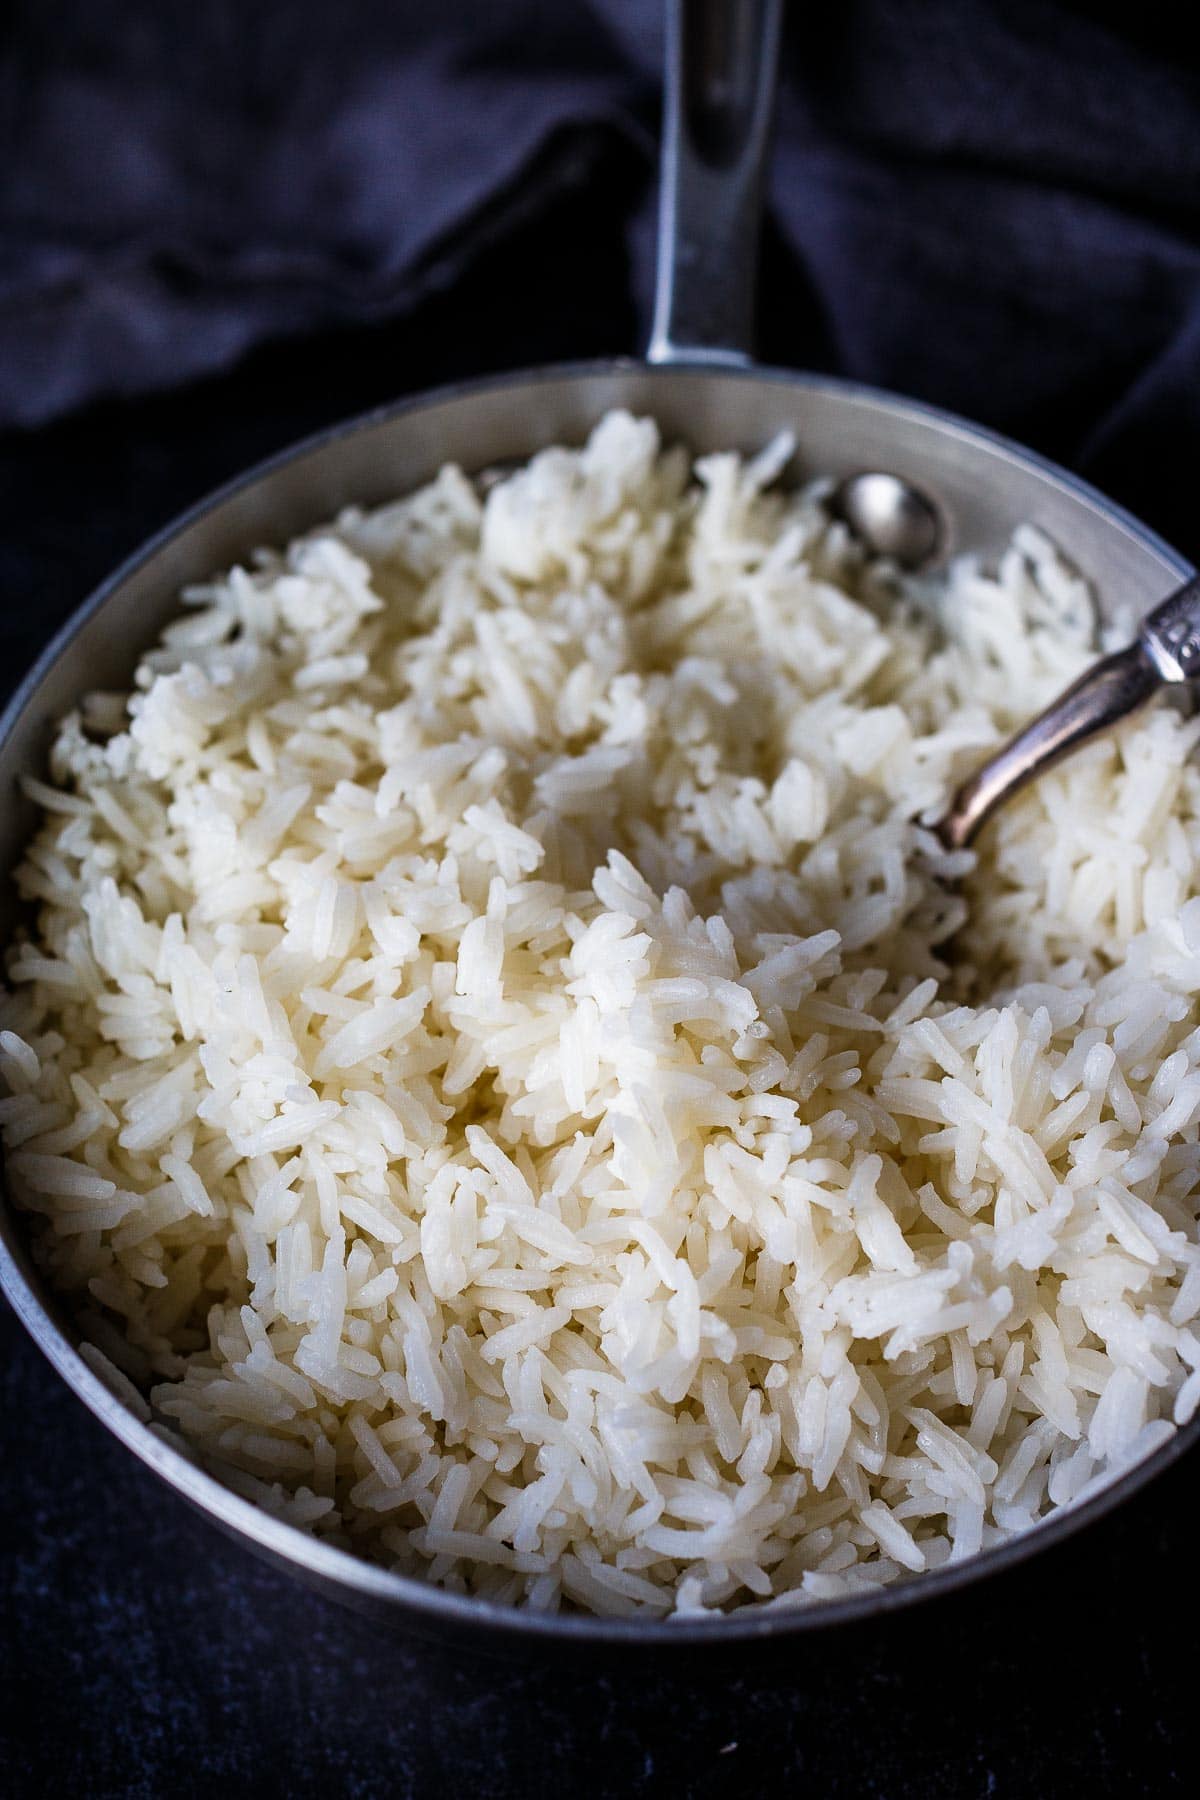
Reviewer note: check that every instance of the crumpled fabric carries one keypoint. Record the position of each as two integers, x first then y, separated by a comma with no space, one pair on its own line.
993,205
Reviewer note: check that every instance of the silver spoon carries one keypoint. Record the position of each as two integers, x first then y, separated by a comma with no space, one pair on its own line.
893,518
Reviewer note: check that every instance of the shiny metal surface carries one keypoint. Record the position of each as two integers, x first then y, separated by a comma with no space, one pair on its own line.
1165,653
1170,635
890,516
720,96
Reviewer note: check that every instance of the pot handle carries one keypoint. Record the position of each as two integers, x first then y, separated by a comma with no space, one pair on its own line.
721,63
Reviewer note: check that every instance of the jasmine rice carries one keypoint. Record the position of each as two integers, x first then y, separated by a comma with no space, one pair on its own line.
487,1069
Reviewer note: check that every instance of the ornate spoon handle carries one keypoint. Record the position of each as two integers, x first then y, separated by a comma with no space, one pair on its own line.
1165,651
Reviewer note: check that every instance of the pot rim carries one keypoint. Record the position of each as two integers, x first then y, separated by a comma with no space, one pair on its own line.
384,1590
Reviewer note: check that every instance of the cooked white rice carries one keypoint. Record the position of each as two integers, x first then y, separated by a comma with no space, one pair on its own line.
485,1067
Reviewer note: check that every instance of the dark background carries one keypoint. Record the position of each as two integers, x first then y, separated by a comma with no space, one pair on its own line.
223,225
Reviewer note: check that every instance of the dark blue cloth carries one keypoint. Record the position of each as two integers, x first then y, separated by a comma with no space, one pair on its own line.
993,204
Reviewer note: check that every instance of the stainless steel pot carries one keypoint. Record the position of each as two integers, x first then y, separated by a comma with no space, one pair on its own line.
699,383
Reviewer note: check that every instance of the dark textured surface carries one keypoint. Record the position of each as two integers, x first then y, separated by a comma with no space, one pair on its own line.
146,1655
143,1654
994,204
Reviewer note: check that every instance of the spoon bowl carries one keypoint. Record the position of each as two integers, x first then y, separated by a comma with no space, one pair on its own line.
890,517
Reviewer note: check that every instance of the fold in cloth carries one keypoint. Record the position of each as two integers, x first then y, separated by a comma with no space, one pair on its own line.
994,206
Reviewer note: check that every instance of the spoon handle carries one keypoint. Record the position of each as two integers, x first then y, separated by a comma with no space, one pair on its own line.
1166,650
